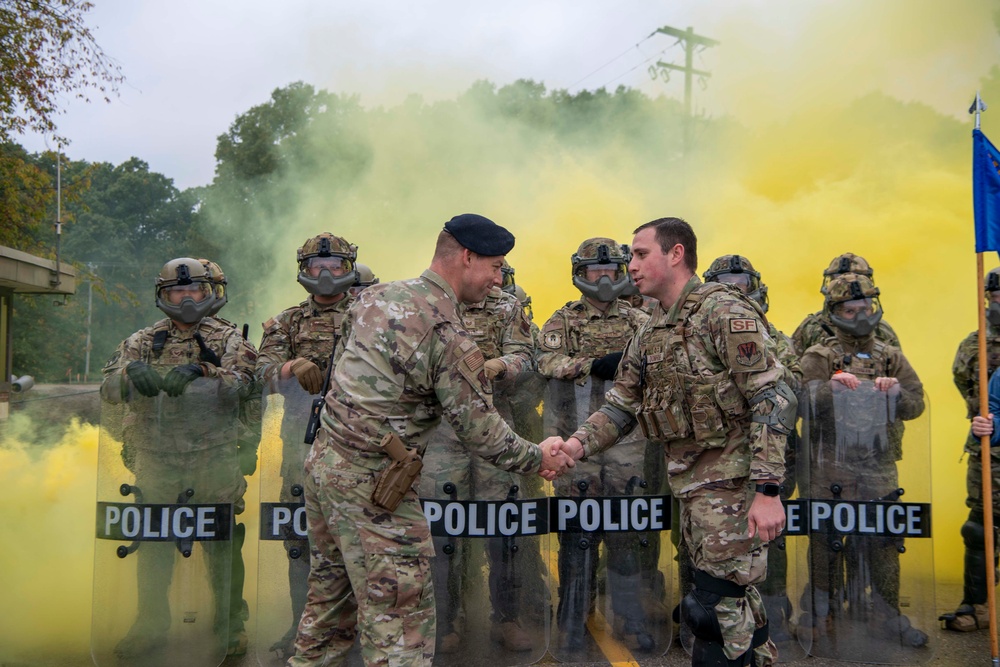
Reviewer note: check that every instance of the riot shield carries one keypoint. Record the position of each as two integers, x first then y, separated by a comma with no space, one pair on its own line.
865,514
283,549
780,591
169,486
489,529
611,549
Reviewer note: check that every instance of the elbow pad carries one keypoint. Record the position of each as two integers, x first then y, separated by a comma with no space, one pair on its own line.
780,409
622,420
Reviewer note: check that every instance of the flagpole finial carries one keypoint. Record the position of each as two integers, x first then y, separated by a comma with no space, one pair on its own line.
977,108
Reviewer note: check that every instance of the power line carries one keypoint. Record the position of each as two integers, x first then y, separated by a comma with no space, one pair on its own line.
615,59
655,55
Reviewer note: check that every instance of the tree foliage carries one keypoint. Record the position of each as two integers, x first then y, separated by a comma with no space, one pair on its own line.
46,52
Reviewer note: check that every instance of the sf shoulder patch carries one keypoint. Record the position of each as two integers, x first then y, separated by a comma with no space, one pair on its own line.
738,325
745,345
553,340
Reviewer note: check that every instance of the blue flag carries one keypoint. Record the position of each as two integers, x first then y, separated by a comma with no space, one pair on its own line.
986,192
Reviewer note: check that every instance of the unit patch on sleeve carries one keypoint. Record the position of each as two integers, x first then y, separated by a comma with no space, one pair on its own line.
738,325
553,340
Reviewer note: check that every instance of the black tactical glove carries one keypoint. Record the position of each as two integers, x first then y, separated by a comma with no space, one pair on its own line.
144,378
179,377
206,354
604,368
247,455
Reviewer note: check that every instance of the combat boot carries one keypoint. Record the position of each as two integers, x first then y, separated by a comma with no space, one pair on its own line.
643,639
512,636
968,618
238,643
450,643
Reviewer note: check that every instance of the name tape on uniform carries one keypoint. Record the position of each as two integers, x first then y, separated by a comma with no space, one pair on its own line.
162,523
283,521
877,518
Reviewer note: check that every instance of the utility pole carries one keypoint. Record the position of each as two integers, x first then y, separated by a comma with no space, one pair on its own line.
691,42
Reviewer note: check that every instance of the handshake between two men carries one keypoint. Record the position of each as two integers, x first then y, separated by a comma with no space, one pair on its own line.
558,456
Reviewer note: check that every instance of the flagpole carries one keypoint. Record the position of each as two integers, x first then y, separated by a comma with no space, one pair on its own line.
987,467
984,442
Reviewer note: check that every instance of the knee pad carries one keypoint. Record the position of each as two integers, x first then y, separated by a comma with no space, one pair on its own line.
698,606
974,535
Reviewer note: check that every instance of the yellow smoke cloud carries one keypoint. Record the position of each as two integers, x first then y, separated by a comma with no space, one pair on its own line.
847,133
48,495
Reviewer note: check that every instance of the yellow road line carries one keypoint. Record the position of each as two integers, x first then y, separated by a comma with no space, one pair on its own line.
616,652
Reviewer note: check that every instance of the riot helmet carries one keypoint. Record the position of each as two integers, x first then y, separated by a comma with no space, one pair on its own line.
846,263
993,292
525,301
219,283
320,257
507,284
184,290
852,304
366,278
738,271
601,254
631,289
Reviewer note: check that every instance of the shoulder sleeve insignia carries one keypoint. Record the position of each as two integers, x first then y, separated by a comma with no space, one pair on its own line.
474,360
553,340
742,325
748,354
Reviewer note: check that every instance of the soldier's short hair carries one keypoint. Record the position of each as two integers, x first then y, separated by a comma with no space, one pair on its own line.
670,232
447,246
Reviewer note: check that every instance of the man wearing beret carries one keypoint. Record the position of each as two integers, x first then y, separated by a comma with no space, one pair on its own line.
406,363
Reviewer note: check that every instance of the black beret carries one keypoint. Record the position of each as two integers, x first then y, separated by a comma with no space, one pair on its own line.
480,235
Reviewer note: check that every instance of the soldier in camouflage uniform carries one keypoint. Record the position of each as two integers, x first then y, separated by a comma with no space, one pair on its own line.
816,327
498,326
737,270
973,613
167,357
701,378
297,346
250,406
366,278
584,340
407,362
862,470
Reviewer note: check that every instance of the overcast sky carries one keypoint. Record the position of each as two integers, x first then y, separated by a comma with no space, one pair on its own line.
192,66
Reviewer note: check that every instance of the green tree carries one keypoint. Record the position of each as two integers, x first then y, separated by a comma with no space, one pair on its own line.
46,53
126,223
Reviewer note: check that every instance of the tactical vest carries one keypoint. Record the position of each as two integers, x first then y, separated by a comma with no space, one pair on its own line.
314,338
864,366
881,433
485,325
596,337
677,403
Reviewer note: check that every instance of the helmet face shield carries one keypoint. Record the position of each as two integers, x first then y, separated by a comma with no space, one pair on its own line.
184,290
600,270
857,317
327,265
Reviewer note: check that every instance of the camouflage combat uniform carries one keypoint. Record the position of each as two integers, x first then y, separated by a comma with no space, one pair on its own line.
858,454
310,331
811,331
573,338
973,613
190,441
407,362
965,371
689,377
498,326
